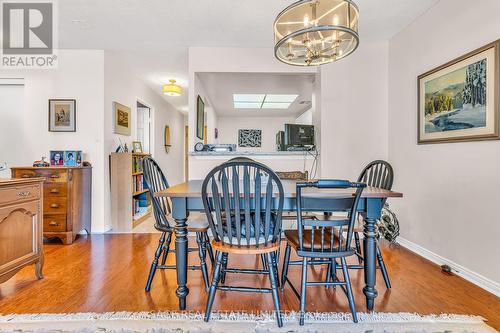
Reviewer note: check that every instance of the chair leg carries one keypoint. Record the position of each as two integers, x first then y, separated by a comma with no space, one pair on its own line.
154,264
350,297
209,248
286,261
224,267
303,292
166,248
358,246
263,260
202,250
273,276
381,263
213,287
274,257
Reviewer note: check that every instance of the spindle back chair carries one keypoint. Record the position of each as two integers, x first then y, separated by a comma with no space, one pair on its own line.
155,181
243,201
320,241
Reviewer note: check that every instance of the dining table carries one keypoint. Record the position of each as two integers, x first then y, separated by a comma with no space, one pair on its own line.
186,198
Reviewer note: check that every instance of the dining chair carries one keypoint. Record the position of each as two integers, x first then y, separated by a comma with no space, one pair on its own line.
243,201
377,174
155,181
315,240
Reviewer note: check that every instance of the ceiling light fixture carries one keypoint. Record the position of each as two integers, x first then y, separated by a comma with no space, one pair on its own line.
316,32
172,89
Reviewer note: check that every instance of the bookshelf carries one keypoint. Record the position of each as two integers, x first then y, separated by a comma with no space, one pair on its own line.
130,201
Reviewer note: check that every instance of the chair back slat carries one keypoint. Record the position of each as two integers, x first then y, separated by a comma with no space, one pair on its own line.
385,175
155,181
324,232
243,201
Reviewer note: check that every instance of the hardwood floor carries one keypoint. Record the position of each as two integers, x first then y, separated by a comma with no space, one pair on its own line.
101,273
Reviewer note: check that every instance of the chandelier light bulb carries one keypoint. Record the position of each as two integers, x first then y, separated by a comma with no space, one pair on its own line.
335,20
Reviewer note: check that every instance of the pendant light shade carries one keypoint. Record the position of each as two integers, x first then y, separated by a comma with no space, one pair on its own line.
316,32
172,89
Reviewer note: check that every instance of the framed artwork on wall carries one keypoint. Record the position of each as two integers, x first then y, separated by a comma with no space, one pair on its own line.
249,138
122,119
62,115
200,118
459,101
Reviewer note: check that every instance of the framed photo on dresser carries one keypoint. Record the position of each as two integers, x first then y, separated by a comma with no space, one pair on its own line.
62,115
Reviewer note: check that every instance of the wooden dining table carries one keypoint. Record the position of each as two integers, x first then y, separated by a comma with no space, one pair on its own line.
186,198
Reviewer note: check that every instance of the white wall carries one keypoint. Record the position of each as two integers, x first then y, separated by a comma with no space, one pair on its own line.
122,86
451,205
12,125
354,112
306,118
80,76
229,126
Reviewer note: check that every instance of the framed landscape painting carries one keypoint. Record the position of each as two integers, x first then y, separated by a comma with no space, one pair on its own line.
459,101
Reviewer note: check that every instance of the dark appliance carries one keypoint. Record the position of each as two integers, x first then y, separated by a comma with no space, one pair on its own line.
299,137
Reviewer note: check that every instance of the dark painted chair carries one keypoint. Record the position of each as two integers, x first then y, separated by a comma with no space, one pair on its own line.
243,201
155,181
316,241
377,174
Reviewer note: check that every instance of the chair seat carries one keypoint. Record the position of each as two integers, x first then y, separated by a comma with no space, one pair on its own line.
194,225
245,249
292,237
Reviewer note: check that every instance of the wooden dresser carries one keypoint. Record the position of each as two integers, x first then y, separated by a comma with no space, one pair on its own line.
66,199
21,241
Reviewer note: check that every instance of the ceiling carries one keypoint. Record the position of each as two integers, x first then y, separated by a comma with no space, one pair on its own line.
152,37
220,88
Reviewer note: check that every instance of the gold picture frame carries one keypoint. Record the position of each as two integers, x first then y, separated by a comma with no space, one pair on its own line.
137,147
459,101
122,119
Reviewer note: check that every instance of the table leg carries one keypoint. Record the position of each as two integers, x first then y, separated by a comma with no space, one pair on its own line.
370,250
180,215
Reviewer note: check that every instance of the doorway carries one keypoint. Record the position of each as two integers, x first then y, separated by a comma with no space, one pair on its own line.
11,126
144,126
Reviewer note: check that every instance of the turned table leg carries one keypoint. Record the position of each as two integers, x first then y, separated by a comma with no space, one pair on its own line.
180,215
373,210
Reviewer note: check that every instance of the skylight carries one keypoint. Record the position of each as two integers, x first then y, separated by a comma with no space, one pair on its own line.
263,101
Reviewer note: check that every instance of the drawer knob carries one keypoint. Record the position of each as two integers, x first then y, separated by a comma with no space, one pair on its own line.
54,175
24,194
26,175
54,190
54,205
53,223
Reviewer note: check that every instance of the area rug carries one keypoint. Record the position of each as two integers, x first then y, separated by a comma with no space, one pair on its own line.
221,322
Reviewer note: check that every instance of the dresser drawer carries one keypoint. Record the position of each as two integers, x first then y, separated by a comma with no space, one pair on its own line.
19,193
55,205
50,175
54,223
55,190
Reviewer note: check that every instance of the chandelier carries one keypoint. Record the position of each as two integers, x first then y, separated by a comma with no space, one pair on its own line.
316,32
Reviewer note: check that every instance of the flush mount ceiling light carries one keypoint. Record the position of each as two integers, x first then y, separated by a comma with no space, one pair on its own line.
316,32
262,101
172,89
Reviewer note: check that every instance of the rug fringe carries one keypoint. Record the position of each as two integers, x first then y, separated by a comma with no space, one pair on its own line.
320,317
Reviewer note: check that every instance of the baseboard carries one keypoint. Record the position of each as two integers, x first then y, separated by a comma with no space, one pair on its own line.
471,276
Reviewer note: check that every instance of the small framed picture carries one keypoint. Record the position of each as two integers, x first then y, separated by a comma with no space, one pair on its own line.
56,158
72,157
62,115
136,146
122,119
